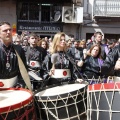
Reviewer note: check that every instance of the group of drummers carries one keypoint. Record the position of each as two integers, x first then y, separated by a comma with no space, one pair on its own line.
58,64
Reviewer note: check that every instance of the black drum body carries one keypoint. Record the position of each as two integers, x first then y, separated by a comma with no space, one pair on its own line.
103,102
68,104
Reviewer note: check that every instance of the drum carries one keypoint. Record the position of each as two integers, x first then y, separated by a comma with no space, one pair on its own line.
36,81
66,102
99,80
16,104
103,101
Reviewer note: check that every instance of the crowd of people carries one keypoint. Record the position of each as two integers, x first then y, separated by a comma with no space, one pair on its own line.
56,60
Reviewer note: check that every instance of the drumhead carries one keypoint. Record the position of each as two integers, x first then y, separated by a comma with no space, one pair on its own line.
60,90
11,97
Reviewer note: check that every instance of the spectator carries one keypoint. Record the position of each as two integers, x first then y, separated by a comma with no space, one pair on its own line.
98,39
76,52
82,44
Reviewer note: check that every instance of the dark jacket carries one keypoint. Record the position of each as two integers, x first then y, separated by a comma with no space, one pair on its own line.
91,68
75,53
110,61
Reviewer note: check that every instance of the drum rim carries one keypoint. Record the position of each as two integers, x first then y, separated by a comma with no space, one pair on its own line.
57,96
17,105
104,86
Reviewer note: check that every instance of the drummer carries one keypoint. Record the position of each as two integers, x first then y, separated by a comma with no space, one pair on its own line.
9,70
112,62
91,65
34,57
62,65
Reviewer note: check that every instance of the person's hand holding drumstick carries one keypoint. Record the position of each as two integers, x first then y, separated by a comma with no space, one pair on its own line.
52,70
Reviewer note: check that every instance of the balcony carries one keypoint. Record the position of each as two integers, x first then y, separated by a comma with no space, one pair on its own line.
106,8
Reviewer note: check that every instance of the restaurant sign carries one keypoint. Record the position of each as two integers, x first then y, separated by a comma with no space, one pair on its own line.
39,27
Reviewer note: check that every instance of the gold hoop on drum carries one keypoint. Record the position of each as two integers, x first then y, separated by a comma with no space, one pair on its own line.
64,102
103,101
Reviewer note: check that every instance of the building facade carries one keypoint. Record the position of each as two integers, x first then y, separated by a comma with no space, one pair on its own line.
101,15
46,17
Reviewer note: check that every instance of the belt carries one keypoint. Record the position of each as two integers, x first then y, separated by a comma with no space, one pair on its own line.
7,83
61,73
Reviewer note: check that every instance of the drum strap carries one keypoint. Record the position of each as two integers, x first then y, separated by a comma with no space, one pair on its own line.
24,72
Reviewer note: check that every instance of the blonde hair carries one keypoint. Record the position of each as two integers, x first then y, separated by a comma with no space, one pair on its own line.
82,42
56,42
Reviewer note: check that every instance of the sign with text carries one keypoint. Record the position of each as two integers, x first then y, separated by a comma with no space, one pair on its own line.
39,27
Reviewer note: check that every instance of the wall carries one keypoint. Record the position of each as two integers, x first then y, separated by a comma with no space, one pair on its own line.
8,11
71,29
91,26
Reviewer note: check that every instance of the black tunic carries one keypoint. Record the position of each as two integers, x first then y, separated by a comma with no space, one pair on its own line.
109,63
13,70
61,61
91,67
35,54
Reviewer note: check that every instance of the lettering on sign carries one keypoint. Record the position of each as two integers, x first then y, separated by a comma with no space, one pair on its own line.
43,28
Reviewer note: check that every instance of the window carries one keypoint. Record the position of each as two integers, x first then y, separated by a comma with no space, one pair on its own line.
38,12
24,11
45,12
33,11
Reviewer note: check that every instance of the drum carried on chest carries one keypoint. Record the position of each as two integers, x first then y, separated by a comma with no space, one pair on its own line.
103,101
66,102
16,104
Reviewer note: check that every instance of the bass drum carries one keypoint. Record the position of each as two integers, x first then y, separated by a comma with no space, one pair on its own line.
103,101
66,102
16,104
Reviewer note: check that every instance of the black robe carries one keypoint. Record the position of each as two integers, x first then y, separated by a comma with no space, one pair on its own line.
62,61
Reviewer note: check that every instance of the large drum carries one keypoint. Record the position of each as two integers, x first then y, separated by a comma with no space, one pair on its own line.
103,101
66,102
16,104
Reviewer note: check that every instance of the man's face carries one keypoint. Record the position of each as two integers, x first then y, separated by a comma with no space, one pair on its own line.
76,45
6,33
98,38
33,40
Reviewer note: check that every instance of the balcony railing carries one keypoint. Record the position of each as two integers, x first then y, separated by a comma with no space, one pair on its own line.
106,8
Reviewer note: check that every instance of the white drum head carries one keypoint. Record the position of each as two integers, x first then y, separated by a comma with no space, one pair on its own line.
60,90
12,97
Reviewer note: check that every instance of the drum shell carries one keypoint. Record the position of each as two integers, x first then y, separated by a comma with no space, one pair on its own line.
103,101
65,106
24,110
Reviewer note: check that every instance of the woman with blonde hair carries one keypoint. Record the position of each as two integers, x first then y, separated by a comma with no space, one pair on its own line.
61,66
58,43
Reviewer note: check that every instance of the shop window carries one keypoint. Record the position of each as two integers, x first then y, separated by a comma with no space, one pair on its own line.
23,11
39,12
45,12
34,11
